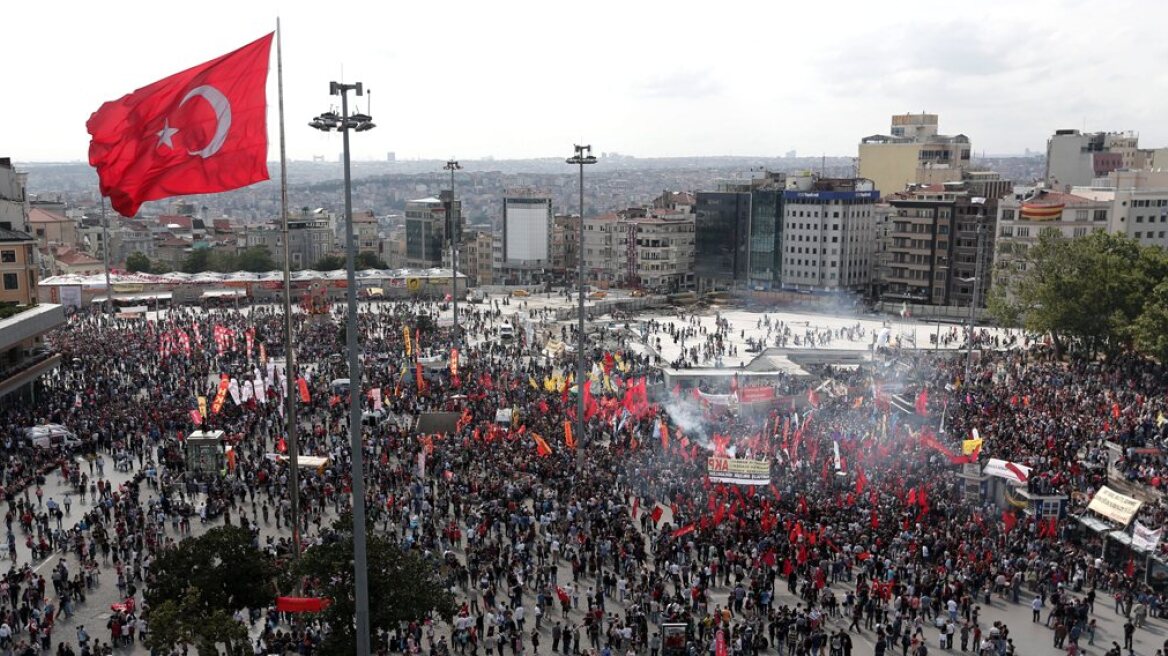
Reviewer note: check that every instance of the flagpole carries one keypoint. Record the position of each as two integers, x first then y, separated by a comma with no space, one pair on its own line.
289,355
109,289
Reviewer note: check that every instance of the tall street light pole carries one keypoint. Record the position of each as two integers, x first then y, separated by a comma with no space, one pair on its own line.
359,123
583,156
977,282
455,234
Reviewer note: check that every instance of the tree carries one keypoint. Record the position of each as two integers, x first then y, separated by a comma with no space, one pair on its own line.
223,261
182,621
1151,327
368,260
197,261
224,567
256,259
403,585
1090,289
136,262
329,263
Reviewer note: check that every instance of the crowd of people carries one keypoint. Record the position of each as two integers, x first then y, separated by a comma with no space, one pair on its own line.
863,534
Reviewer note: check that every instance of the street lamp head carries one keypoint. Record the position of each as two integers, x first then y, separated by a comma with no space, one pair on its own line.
361,118
453,165
366,126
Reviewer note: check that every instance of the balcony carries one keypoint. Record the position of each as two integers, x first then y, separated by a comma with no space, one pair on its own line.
30,323
17,376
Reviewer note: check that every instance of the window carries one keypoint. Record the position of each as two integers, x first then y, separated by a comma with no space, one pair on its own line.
11,281
1139,235
8,257
1100,215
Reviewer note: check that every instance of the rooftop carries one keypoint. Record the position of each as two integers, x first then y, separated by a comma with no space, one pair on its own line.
38,215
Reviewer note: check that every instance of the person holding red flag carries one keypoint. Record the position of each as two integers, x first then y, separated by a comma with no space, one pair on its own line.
200,131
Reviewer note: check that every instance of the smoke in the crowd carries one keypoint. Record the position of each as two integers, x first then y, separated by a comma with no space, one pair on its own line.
687,416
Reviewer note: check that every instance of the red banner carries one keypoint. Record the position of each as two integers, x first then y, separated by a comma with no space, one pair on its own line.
756,394
302,604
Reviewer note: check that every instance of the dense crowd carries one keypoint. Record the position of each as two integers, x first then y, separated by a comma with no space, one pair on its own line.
882,540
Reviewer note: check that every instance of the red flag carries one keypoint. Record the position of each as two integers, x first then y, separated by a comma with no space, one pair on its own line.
303,385
656,514
281,445
1009,520
664,435
302,604
200,131
922,405
590,406
684,530
196,417
636,506
813,397
1130,568
569,440
861,481
541,447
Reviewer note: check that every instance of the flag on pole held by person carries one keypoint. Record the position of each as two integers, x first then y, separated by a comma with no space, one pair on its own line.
200,131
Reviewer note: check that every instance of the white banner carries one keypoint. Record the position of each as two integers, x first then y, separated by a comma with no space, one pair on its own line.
1114,506
739,471
233,388
1144,538
1014,473
376,394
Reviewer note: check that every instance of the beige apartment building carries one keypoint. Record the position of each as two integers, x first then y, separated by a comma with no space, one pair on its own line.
640,248
912,153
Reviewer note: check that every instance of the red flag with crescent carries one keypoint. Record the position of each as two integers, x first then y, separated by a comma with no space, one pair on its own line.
200,131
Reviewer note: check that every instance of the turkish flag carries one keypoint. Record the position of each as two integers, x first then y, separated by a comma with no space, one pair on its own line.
200,131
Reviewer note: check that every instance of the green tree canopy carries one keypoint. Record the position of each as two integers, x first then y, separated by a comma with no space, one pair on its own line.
368,260
403,586
256,259
329,263
197,261
224,567
184,621
136,262
1089,289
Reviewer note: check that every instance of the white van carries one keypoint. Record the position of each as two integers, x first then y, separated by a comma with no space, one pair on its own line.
52,436
507,331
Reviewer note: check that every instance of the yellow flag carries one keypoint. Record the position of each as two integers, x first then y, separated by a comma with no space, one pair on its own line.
531,381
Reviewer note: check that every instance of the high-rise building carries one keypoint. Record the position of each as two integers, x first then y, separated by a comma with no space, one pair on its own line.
1075,159
526,237
936,237
475,258
738,233
828,233
427,230
913,153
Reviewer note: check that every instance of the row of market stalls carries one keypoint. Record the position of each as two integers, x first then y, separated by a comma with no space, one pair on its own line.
151,290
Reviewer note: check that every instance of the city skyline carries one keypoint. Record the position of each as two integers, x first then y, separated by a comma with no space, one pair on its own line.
756,82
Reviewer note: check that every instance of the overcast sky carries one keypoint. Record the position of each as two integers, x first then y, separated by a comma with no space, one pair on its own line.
516,79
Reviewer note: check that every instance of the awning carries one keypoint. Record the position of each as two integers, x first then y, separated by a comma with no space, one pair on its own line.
220,293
